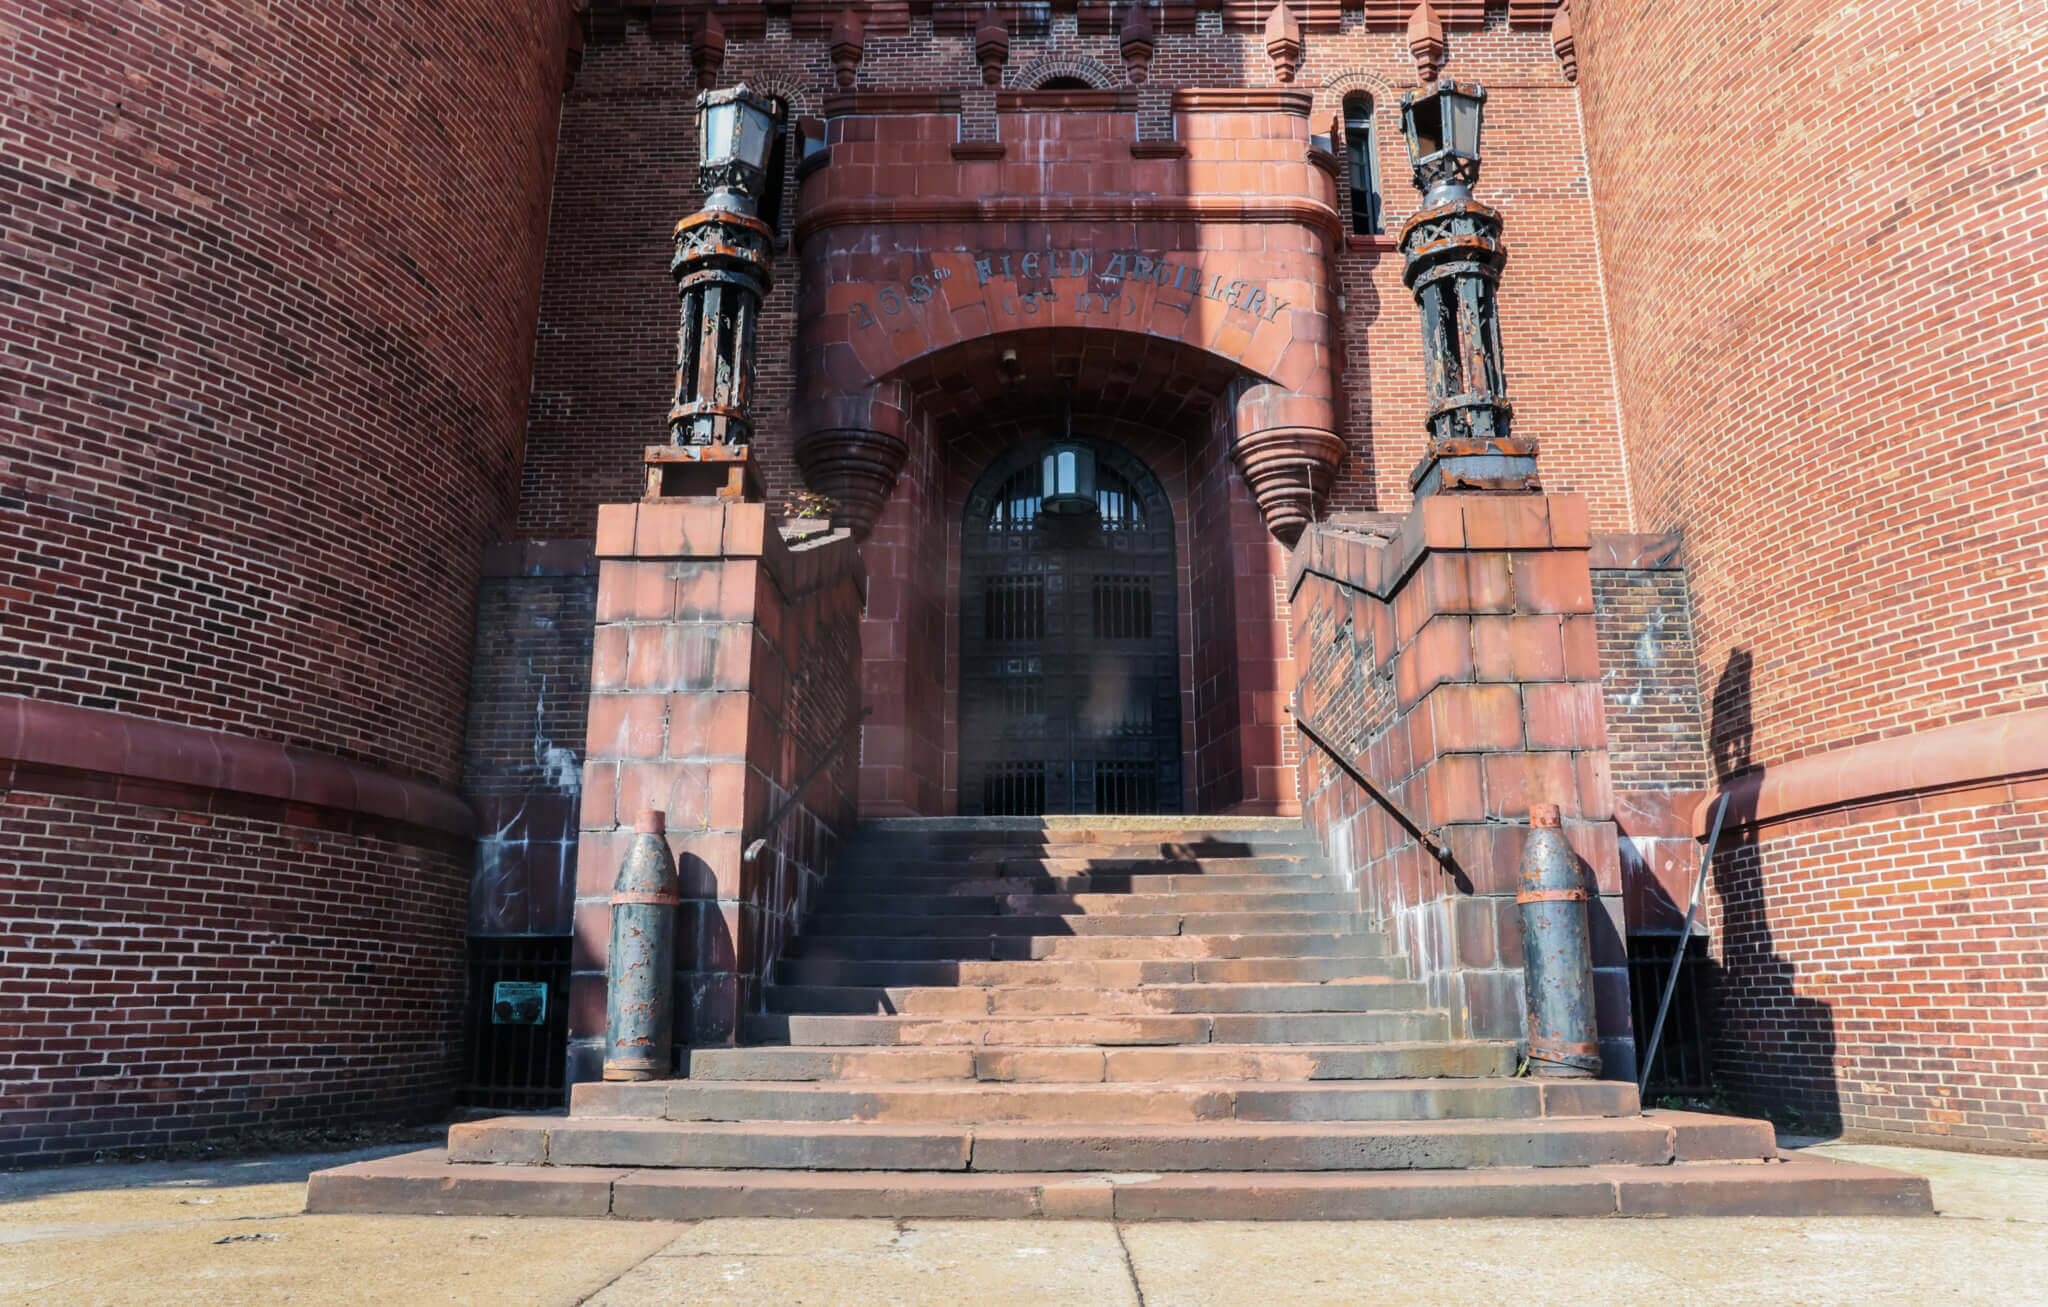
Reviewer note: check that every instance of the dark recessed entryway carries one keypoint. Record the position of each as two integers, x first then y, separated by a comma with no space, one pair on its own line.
1069,678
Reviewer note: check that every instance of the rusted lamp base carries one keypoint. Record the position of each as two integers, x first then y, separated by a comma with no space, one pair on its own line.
703,471
1499,464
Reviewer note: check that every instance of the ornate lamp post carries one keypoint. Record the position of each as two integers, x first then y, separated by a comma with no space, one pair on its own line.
721,264
1454,251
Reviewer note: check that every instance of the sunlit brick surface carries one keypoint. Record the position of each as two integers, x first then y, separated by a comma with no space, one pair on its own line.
1889,971
1829,349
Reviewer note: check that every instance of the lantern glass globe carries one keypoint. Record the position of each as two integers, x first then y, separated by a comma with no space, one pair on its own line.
1068,480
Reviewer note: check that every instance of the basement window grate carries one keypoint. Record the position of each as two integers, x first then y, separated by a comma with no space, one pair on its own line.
518,1023
1684,1064
1124,787
1013,789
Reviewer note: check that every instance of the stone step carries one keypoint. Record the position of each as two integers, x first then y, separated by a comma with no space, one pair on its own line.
1229,971
1008,948
897,835
1234,1145
1222,1028
859,868
862,851
885,925
856,903
1061,1000
968,1103
425,1183
898,832
972,882
1211,1062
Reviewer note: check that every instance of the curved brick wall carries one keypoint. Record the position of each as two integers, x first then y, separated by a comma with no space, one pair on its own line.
1822,226
1829,355
268,276
271,276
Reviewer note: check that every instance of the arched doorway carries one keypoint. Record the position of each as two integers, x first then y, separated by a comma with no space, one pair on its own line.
1069,670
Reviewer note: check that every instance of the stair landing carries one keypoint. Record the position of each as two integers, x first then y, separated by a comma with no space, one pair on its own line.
1137,1018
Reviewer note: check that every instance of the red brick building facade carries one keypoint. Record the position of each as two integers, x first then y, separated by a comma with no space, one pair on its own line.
327,336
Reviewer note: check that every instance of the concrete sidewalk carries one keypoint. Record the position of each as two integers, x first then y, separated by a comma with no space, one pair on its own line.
233,1232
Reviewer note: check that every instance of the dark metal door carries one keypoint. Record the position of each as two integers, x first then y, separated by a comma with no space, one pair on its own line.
1069,668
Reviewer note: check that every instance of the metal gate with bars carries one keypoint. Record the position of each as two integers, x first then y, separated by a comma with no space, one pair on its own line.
1684,1063
1069,676
518,1022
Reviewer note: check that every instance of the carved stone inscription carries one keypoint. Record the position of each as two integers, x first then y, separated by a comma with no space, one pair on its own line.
1113,283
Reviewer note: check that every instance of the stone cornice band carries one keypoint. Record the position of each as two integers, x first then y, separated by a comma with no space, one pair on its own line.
866,212
148,759
1968,755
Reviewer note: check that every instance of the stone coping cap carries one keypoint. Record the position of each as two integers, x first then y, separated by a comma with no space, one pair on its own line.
62,736
1967,754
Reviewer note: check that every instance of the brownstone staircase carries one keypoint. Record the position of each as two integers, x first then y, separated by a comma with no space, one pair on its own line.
1141,1018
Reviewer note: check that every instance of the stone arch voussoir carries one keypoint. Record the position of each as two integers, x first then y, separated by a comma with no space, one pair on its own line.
1046,67
1329,97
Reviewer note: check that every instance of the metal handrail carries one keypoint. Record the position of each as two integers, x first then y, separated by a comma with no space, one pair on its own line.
1684,938
1436,847
1345,583
790,801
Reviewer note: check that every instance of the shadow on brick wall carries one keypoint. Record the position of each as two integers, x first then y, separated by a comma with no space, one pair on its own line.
1774,1049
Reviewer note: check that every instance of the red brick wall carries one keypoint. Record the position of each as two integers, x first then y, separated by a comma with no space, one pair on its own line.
1826,354
1886,972
170,976
907,626
1650,684
627,172
1827,358
1656,744
271,276
522,766
272,273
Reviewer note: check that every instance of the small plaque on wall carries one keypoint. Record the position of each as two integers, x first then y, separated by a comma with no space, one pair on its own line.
519,1003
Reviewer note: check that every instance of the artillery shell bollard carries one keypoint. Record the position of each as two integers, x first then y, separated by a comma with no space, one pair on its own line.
1557,954
640,969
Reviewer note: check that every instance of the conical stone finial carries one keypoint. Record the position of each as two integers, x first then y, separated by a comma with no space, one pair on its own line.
1426,41
707,50
848,45
1135,40
991,47
1283,43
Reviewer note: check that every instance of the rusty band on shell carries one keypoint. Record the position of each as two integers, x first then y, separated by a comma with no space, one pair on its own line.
1543,1049
1551,896
642,896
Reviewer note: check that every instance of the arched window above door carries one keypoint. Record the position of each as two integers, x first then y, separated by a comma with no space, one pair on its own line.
1020,499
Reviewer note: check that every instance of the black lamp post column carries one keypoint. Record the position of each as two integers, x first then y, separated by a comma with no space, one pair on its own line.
1455,252
721,269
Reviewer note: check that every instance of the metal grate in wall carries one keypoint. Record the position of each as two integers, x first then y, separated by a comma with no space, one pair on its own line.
1124,787
518,1022
1123,607
1015,607
1684,1062
1013,789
